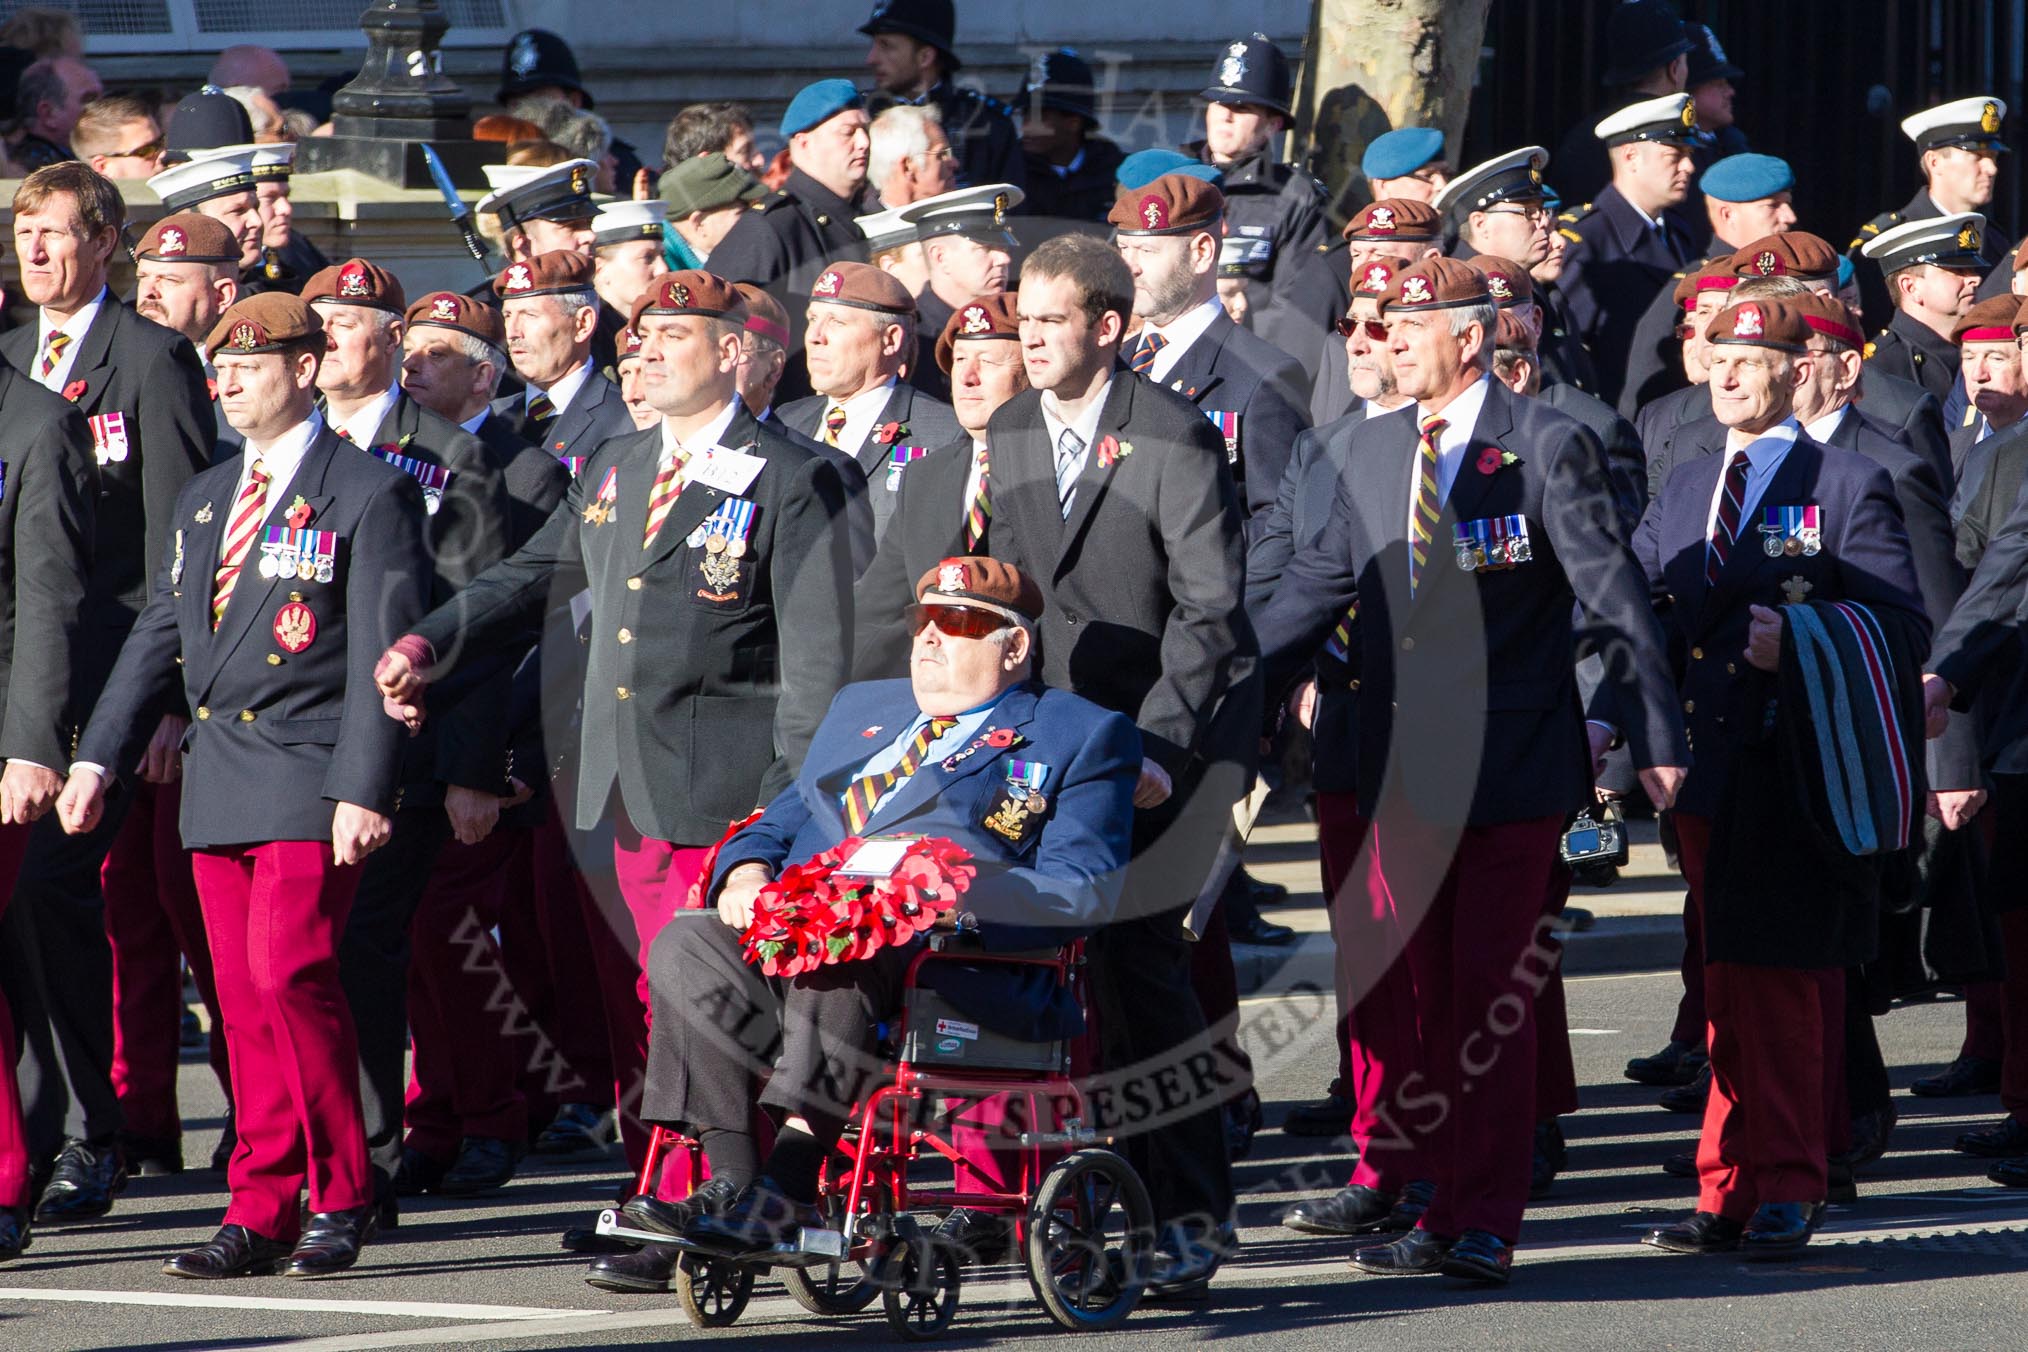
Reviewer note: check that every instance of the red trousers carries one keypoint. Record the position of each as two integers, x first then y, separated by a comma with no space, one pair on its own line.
1555,1071
1774,1073
461,1007
152,916
273,913
13,1134
1470,902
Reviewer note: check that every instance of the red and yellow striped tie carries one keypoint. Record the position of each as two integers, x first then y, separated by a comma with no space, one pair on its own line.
52,350
1422,522
1339,645
981,510
867,791
540,408
247,511
834,424
668,487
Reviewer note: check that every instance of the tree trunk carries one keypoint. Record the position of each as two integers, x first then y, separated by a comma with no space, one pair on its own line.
1373,65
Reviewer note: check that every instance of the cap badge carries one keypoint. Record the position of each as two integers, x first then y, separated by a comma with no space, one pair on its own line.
1499,287
1376,277
444,307
1690,116
1989,118
678,295
1416,291
1747,322
522,57
580,182
1381,221
999,208
629,341
954,577
827,285
1038,71
246,336
1232,68
1968,238
1765,263
976,320
519,278
1534,176
1154,212
172,242
353,283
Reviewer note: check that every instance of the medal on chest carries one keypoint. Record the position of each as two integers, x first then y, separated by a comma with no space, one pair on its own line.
600,509
1791,531
723,537
306,555
1018,807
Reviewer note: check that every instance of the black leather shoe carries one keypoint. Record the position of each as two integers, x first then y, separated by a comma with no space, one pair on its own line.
1479,1256
1688,1098
1681,1165
1254,930
1242,1117
1330,1116
576,1127
82,1186
1964,1076
332,1240
1870,1133
714,1197
2004,1141
647,1269
152,1154
587,1239
1550,1157
234,1251
1414,1254
1263,894
1356,1210
1187,1257
1839,1185
2010,1173
1677,1063
418,1174
1780,1230
1701,1232
979,1237
1578,919
484,1164
14,1239
228,1141
1410,1207
762,1217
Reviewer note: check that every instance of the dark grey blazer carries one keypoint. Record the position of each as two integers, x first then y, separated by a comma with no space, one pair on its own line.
928,526
920,420
597,413
1230,371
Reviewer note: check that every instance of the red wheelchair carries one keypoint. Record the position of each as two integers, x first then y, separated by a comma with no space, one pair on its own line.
1082,1221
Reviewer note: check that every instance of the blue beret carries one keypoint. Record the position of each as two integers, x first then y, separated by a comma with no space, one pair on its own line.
1398,153
1143,167
819,102
1748,178
1844,271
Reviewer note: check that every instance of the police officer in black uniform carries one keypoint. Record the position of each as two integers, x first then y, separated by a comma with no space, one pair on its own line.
1932,268
1070,166
912,61
539,64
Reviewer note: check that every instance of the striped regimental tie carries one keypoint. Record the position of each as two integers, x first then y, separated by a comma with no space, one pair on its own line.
867,791
981,509
52,351
1725,531
668,487
1150,346
1422,521
248,509
834,424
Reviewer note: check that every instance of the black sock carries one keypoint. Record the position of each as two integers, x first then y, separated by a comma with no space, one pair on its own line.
731,1154
794,1164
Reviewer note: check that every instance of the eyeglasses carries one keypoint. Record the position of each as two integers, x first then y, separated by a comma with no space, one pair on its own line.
150,151
1538,212
1348,326
955,621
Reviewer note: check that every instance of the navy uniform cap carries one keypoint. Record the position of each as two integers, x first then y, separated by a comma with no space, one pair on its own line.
1513,177
1143,167
1251,70
1399,153
1748,178
1947,241
1973,123
931,21
819,102
1671,119
976,213
205,120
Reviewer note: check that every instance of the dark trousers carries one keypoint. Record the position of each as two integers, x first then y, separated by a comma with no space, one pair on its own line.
1555,1070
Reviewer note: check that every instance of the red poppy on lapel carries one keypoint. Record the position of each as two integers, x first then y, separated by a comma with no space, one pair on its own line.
891,432
1493,458
299,514
211,388
75,390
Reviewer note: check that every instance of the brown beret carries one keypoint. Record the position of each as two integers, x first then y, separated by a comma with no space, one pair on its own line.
1506,281
1760,323
1716,275
546,274
974,577
1990,321
689,292
863,287
1174,204
273,321
356,282
1829,317
1515,333
626,344
454,310
1372,279
1435,284
189,237
986,317
1399,218
765,316
1794,253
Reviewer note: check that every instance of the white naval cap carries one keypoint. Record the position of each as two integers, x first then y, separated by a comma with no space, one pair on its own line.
530,192
979,213
193,181
1673,117
625,222
1515,176
1972,122
884,230
1948,241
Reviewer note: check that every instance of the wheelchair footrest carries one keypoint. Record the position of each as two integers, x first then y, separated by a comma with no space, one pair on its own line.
612,1226
1075,1137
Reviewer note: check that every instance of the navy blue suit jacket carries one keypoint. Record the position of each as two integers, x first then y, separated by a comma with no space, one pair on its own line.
1053,885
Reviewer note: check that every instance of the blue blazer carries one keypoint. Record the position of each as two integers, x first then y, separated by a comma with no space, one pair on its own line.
1050,886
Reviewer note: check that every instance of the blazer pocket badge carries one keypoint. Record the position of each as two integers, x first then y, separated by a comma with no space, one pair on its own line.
1789,531
1019,804
109,437
1492,544
295,627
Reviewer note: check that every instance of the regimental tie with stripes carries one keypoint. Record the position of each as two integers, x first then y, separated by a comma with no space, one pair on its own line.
541,408
668,487
247,511
1146,351
865,793
52,351
1422,521
981,510
834,424
1731,505
1338,647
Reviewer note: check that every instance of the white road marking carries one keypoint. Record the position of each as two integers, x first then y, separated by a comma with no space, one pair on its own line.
1593,1032
406,1309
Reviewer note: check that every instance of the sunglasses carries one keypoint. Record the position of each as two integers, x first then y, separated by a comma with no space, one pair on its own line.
1345,328
140,152
955,621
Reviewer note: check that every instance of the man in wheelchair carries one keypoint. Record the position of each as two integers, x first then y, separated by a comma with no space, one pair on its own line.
1037,784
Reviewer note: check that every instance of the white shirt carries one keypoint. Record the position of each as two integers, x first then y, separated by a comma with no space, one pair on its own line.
1373,409
359,427
1086,426
1822,430
75,327
712,435
1178,334
1764,455
972,480
280,459
862,411
476,421
563,391
1460,416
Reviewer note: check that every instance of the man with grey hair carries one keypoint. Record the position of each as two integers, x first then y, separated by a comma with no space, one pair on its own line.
551,316
262,111
910,157
51,96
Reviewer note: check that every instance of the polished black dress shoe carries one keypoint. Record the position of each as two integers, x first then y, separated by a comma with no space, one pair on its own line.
1414,1254
82,1185
1965,1076
484,1163
647,1269
762,1217
576,1127
1355,1210
1411,1206
2007,1139
1254,930
228,1141
1870,1134
14,1239
1839,1185
1550,1158
1701,1232
979,1237
1187,1257
587,1239
1677,1063
1263,894
1330,1116
1689,1098
1780,1230
332,1240
1242,1118
713,1197
418,1174
152,1154
1479,1256
1681,1165
234,1251
2010,1173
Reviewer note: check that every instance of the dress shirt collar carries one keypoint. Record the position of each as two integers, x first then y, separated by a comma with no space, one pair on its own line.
1179,333
283,456
75,328
1826,427
477,420
1764,449
862,411
712,435
564,391
1086,426
364,424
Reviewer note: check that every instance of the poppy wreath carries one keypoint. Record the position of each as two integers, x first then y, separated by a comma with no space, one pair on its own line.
810,917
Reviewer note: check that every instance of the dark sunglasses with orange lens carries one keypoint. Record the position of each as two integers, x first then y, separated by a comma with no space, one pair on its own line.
955,621
1347,327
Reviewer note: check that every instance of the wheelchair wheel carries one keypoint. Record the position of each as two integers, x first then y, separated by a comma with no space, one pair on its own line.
832,1288
714,1291
1091,1237
920,1287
